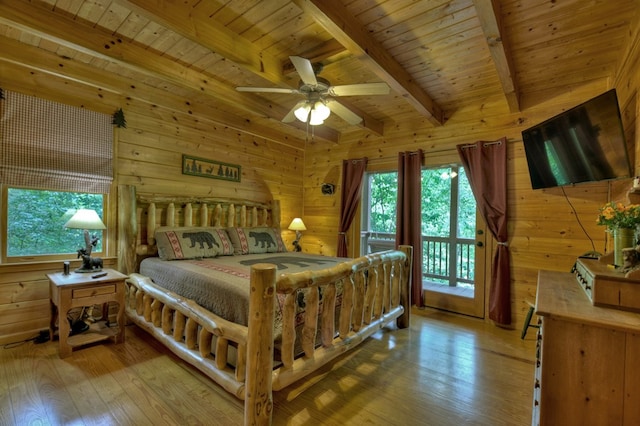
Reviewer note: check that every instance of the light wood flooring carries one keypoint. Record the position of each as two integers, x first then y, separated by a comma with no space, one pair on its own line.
444,370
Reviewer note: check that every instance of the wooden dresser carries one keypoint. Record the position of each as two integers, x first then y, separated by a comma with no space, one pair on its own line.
588,358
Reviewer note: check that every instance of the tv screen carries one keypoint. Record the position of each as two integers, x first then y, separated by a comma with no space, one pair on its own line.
583,144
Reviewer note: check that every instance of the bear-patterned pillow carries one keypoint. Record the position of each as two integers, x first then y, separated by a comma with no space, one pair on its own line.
175,243
256,240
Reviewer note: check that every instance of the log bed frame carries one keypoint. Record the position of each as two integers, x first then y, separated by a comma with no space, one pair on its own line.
375,294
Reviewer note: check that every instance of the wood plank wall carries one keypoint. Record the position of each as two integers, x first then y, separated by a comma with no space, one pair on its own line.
149,156
544,232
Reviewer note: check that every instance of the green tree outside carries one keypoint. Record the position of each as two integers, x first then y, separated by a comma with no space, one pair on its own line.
438,185
36,218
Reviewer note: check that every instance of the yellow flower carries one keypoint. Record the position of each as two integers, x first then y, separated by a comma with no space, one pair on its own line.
617,215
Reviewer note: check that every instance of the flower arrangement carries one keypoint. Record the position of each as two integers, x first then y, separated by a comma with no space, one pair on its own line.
617,215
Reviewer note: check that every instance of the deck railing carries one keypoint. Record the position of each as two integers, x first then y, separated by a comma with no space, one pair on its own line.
440,265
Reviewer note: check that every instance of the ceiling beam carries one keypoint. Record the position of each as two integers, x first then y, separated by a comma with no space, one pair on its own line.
338,21
205,31
321,53
219,39
33,58
490,20
103,44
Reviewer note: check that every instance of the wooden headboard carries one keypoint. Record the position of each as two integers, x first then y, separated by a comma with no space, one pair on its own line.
140,214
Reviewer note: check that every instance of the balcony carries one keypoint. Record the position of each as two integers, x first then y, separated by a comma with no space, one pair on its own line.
443,269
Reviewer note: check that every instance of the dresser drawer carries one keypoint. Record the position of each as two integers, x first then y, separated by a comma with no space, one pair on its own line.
93,291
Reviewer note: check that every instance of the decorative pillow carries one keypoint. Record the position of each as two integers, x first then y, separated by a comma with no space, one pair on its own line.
256,240
192,242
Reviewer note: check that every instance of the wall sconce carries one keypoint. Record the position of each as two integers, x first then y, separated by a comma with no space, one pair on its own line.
87,219
297,225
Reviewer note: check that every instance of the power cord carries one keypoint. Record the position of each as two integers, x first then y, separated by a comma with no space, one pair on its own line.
593,246
42,337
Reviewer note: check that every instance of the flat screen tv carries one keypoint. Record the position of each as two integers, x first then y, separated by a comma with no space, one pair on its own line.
583,144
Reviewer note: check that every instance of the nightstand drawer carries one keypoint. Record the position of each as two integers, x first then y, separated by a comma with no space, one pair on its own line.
93,291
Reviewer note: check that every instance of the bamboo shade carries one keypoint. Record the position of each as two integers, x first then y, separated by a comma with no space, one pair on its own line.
54,146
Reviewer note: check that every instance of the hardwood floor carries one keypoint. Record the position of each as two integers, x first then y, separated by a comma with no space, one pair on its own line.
444,370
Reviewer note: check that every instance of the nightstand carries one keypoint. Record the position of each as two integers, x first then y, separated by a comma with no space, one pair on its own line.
77,290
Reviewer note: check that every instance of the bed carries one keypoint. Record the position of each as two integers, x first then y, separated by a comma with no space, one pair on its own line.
292,312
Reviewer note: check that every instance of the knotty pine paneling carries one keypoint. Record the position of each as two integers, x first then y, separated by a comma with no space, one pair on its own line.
544,230
149,154
162,125
24,298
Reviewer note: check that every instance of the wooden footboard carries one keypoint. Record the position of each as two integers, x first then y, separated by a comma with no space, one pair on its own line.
240,359
375,292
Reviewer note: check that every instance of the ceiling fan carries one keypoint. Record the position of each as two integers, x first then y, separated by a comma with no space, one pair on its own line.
318,93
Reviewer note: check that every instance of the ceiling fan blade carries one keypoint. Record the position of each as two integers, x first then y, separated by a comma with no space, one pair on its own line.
359,89
291,117
266,89
304,69
343,112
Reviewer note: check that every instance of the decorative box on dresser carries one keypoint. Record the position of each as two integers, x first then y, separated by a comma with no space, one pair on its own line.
588,358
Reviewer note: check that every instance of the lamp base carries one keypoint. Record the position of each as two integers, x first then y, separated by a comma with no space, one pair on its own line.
82,270
90,264
297,246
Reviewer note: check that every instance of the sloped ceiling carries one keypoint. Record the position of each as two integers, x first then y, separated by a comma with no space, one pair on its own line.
437,56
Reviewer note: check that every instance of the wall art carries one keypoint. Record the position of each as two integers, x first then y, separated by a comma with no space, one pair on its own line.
197,166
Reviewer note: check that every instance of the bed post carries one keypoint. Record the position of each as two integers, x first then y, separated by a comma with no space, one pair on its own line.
275,213
127,229
404,321
258,405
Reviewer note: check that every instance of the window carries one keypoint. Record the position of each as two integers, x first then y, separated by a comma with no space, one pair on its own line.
36,218
379,200
66,152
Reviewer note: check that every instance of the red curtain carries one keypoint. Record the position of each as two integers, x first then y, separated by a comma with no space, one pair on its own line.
352,173
486,166
409,217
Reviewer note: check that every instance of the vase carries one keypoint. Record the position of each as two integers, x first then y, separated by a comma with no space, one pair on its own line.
622,238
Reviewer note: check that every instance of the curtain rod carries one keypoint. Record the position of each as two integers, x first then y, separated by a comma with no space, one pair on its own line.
434,151
473,145
498,142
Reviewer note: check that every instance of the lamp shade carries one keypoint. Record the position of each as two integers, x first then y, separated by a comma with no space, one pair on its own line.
302,112
315,120
297,225
85,219
321,110
312,112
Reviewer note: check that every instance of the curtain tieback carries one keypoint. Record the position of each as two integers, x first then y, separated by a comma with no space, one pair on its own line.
342,233
503,243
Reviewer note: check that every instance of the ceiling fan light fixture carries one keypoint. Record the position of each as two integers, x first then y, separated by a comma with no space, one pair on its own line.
302,112
312,112
315,119
321,111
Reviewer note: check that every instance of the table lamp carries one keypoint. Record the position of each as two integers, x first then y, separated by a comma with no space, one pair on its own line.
87,219
297,225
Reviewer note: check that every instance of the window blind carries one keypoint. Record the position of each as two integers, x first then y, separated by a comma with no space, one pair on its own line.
48,145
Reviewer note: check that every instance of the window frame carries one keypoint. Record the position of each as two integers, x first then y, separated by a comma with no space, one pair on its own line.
42,258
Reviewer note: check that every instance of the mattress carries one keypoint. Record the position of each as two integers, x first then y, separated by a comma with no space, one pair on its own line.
221,284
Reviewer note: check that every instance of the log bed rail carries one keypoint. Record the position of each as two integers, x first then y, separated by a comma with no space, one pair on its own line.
241,358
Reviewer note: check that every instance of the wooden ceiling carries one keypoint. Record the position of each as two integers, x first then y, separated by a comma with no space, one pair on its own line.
436,55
